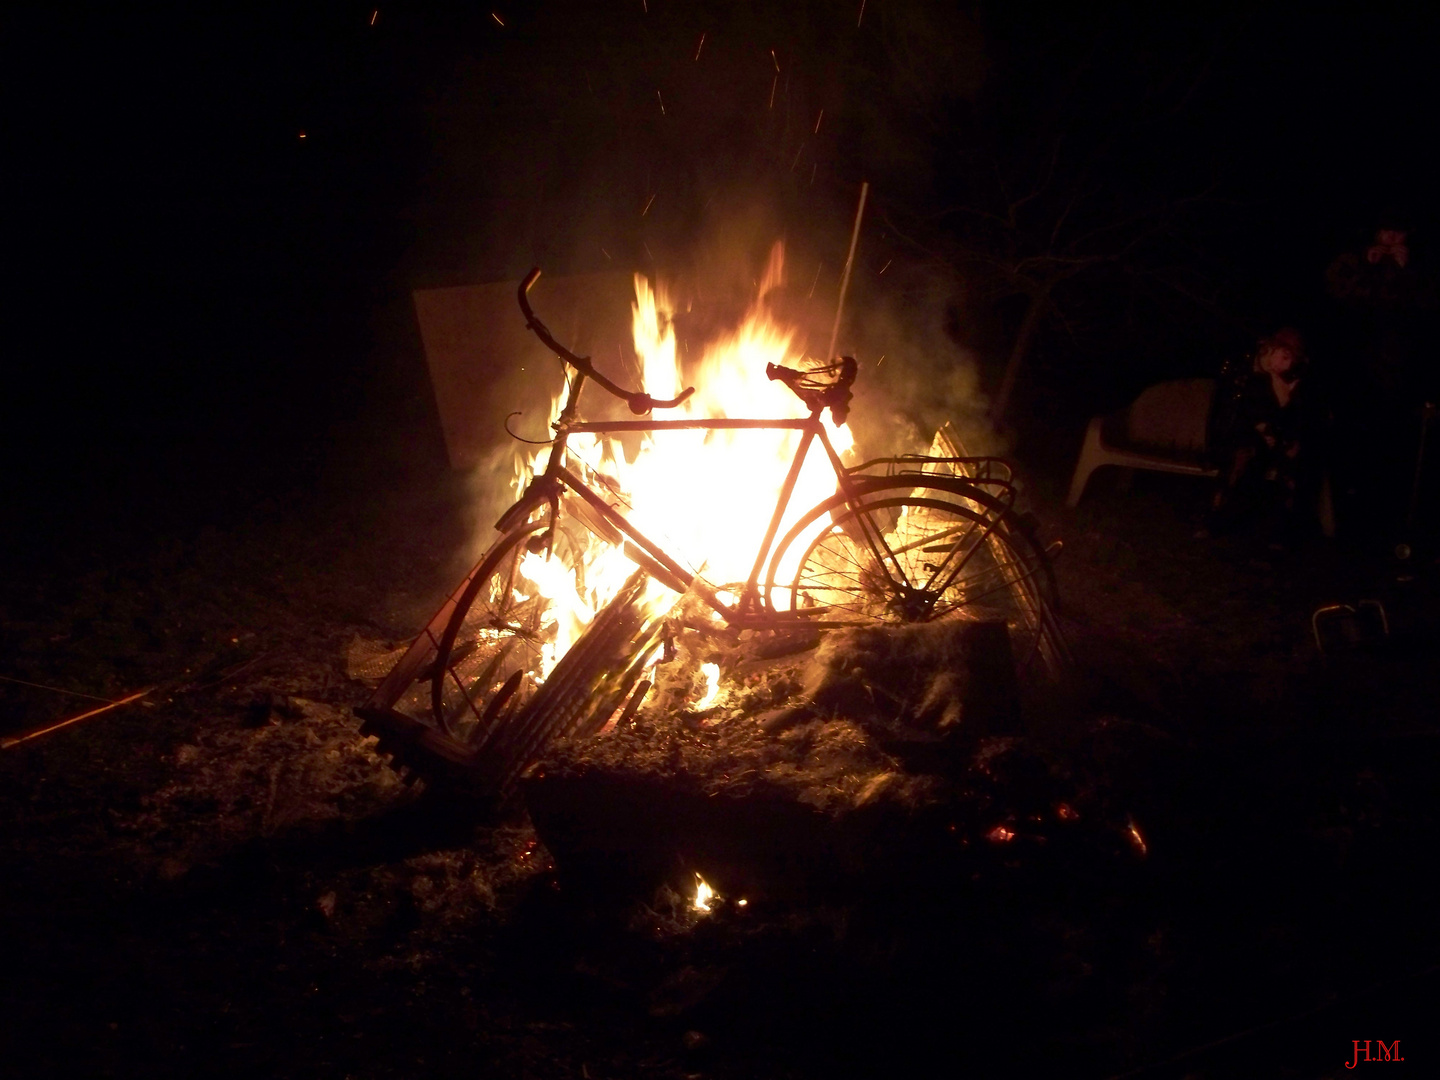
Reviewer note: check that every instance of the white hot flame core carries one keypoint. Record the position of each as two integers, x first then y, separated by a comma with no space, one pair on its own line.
704,896
712,685
704,496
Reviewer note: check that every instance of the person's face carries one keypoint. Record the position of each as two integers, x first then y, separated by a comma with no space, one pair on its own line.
1277,361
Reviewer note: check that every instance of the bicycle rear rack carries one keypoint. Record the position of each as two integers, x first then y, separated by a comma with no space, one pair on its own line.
980,470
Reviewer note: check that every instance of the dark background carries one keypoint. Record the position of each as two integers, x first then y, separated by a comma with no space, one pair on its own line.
196,293
211,363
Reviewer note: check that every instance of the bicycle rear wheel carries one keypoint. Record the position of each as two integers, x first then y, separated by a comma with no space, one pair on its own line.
906,554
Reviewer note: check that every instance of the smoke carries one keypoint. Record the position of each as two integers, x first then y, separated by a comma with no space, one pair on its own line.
490,488
631,150
915,375
905,326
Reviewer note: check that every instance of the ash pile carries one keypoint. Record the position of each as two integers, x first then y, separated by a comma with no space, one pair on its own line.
860,833
787,766
779,765
796,837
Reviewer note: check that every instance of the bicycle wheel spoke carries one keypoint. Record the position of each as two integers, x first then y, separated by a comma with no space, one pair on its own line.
945,559
496,643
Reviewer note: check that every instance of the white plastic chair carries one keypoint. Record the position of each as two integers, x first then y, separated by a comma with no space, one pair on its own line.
1163,430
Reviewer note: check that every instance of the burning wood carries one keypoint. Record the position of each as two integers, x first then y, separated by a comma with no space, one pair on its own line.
552,635
756,779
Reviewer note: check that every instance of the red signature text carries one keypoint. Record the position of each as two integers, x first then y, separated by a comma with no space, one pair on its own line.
1383,1052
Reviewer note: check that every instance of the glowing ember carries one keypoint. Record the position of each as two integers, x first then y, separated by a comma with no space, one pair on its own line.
1133,831
712,685
704,895
1000,835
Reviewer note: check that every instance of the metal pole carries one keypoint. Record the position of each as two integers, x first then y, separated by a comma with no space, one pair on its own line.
16,740
845,278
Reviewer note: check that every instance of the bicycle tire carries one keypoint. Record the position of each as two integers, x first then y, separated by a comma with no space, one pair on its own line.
1003,571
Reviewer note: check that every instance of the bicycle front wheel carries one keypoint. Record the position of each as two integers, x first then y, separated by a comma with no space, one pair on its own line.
492,655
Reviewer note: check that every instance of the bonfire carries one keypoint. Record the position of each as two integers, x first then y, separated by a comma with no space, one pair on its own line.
647,562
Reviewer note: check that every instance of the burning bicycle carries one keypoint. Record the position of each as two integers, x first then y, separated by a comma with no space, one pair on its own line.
553,631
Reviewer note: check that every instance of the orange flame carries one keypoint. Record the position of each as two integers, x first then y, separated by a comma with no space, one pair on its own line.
704,896
704,496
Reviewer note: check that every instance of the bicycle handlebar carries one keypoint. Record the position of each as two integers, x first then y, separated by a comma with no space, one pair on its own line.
639,402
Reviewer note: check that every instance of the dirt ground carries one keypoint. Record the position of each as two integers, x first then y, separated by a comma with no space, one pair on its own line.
223,879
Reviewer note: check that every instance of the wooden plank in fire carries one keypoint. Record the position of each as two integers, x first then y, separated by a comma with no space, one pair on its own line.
583,680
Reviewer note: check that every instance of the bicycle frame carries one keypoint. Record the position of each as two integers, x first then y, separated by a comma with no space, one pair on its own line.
748,611
981,485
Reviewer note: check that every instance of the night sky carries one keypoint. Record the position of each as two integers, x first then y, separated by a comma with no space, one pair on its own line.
196,291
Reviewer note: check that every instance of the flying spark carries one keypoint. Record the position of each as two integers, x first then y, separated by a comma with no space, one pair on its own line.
777,62
797,157
374,15
773,83
647,204
881,360
700,46
662,102
497,18
885,267
815,282
862,15
302,134
1136,838
817,121
606,254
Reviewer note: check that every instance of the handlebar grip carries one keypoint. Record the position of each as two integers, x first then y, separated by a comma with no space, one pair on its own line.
640,403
